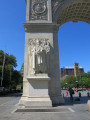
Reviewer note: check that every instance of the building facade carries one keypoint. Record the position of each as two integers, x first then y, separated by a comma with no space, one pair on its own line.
88,71
68,71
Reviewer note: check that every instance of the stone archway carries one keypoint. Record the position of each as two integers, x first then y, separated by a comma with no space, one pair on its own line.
71,10
41,82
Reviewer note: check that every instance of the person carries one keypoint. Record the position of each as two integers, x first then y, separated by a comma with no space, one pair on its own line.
66,96
66,93
76,89
71,92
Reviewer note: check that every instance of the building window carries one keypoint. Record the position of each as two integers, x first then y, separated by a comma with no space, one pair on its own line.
70,72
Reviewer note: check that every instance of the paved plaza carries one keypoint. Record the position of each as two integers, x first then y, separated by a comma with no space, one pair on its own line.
78,110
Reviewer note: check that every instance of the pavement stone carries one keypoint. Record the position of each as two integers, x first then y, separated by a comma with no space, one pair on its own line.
80,109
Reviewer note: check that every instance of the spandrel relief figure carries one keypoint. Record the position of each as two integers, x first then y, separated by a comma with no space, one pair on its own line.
40,52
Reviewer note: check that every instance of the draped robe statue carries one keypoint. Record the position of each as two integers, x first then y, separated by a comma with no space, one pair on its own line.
40,52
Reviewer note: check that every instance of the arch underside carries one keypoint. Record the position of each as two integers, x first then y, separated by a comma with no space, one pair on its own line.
79,10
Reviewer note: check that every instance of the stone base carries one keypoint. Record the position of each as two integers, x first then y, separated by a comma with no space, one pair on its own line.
37,95
43,110
57,100
41,101
88,105
35,102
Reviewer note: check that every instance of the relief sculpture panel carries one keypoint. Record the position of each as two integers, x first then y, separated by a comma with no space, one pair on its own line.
39,10
39,51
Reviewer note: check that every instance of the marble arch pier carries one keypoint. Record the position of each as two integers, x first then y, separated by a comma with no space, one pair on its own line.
41,81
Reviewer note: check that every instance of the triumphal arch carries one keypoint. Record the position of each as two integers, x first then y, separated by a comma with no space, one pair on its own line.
41,82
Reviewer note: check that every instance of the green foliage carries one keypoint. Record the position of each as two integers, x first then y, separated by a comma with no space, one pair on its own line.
9,59
11,77
83,80
1,57
16,79
70,81
16,75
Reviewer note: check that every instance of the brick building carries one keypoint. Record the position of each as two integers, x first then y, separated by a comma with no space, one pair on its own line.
67,71
88,71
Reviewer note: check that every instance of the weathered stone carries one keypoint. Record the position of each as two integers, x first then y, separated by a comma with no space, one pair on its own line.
88,105
41,82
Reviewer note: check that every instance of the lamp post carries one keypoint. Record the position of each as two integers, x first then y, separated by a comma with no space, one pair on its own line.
3,69
66,85
0,81
76,86
81,82
76,83
10,72
1,76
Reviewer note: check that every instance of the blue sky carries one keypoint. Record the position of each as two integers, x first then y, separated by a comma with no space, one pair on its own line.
74,38
74,44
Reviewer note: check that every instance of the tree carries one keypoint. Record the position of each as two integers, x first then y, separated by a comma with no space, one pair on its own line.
1,57
11,77
17,77
9,59
63,84
82,80
71,81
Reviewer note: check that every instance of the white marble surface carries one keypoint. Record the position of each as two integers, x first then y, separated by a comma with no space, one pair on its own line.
88,105
35,83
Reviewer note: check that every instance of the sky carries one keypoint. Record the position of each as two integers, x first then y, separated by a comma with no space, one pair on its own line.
73,38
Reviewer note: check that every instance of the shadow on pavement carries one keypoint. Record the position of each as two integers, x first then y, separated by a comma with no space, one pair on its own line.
76,100
12,95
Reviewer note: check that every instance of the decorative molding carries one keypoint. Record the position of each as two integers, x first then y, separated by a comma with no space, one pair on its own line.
39,44
41,27
39,10
39,77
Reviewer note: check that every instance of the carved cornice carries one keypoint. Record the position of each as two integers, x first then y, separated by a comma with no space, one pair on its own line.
32,27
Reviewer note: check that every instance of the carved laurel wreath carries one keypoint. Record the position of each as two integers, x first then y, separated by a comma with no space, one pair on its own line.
39,6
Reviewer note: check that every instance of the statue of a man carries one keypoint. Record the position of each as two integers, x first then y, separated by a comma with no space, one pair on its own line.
40,50
41,66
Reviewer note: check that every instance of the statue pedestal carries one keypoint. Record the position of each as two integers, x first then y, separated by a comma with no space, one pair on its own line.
38,92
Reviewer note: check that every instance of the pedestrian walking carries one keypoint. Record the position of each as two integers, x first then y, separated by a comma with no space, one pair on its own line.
71,92
66,96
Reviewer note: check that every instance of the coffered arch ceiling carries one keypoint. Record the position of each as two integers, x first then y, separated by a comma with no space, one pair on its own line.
71,10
